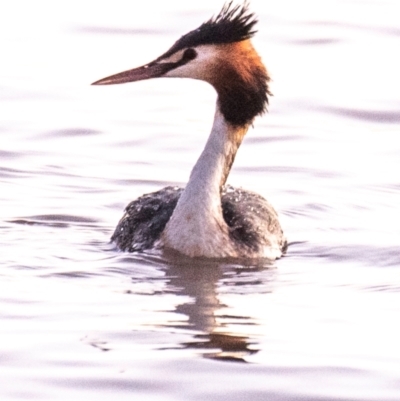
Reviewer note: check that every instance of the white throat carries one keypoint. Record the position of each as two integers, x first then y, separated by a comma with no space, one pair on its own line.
197,226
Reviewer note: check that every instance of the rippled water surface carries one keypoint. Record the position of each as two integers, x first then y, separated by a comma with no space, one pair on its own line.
81,321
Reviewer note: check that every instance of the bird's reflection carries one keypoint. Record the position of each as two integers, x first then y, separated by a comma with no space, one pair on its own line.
223,346
199,282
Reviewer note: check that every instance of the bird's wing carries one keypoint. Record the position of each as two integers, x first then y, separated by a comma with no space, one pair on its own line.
251,219
145,219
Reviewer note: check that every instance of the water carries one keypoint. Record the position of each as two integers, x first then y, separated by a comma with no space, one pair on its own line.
82,321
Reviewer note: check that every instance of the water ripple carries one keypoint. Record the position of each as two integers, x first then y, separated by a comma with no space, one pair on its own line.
377,116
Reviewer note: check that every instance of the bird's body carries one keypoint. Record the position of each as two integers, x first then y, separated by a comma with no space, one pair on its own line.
252,224
207,218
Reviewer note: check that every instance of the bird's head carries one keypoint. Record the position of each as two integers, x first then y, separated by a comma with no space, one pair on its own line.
220,53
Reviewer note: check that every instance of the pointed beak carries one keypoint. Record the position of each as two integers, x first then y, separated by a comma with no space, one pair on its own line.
154,69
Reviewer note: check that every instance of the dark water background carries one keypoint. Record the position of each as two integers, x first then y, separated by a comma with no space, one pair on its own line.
79,320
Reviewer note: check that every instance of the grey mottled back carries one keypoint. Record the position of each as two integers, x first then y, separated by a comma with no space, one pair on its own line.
145,219
249,216
251,219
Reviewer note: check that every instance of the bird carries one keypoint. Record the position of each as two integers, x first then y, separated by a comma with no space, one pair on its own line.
208,218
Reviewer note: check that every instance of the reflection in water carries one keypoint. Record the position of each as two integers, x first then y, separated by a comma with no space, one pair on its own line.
226,347
199,280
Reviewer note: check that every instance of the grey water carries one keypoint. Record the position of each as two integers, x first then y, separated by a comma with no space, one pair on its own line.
80,320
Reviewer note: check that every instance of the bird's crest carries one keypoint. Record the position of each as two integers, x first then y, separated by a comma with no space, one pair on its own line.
234,23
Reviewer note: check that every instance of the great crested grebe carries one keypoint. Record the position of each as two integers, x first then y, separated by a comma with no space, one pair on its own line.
207,218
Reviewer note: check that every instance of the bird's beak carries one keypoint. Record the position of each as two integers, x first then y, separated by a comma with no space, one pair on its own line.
154,69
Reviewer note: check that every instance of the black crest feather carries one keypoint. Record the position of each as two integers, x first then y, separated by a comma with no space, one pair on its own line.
234,23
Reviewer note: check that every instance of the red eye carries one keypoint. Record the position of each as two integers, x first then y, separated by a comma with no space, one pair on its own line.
189,54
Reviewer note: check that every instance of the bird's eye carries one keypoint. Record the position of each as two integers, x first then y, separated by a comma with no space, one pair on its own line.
189,54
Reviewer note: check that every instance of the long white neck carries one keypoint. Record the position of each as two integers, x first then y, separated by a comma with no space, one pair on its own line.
197,226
